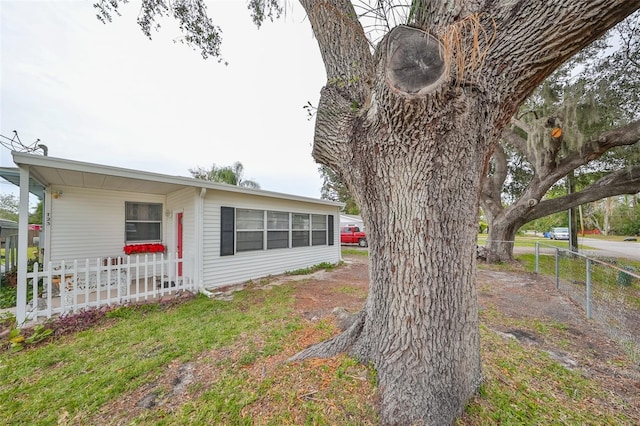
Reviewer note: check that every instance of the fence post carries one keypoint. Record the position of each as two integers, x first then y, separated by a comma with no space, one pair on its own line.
34,292
557,268
537,257
75,285
588,288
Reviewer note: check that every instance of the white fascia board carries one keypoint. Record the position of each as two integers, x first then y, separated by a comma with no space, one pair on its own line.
20,158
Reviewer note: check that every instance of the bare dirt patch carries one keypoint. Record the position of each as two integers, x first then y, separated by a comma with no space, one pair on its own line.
530,309
517,305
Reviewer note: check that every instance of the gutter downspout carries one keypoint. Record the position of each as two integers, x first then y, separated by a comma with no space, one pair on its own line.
200,243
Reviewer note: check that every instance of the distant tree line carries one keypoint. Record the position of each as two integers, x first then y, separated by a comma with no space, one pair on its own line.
232,175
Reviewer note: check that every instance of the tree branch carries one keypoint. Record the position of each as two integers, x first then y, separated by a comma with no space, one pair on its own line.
591,150
491,195
521,124
343,45
549,171
428,13
333,129
625,181
515,140
528,50
492,185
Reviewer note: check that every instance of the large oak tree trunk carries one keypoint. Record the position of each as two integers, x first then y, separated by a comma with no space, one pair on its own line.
416,178
409,129
500,241
420,328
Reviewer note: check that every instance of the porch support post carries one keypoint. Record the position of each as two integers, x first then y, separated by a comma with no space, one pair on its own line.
23,247
198,267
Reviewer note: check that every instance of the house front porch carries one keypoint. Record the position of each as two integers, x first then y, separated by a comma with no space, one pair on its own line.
65,287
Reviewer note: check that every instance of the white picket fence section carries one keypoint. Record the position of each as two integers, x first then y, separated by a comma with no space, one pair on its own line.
65,287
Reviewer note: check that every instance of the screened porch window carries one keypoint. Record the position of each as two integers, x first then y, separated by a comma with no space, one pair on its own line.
318,230
300,233
243,230
249,230
277,230
143,222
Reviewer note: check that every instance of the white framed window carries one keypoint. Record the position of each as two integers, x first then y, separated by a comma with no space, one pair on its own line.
301,225
249,230
277,230
253,230
143,222
318,230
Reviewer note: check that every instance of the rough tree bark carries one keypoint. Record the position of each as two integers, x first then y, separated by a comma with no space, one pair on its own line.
410,128
549,167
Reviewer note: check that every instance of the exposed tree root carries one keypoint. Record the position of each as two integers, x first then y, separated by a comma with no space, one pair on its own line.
336,345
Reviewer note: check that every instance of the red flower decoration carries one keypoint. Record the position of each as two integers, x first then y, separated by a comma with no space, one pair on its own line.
144,248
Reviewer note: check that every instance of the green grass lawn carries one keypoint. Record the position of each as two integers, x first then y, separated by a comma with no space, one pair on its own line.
77,376
530,241
239,347
32,252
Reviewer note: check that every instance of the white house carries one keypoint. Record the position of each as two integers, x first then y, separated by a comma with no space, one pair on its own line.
222,234
351,220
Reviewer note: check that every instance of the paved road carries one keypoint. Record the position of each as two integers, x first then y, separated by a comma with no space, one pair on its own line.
626,249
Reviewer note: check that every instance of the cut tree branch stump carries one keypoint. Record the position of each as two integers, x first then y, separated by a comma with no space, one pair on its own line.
414,61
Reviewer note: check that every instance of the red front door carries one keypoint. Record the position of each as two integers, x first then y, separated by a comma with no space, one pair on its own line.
179,243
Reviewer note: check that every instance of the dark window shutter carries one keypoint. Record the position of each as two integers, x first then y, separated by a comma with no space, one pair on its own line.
330,229
227,221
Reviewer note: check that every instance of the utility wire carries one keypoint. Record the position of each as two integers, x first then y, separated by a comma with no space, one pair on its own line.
15,144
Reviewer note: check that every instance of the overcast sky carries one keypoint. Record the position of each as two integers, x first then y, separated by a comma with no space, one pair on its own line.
107,94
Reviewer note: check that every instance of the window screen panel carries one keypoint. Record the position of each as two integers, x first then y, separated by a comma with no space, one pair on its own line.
299,238
249,219
277,239
249,240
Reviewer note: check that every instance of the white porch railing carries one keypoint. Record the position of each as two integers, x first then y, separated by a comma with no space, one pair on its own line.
10,258
63,287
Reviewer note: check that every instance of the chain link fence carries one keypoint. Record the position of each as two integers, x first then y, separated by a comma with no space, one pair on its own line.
607,288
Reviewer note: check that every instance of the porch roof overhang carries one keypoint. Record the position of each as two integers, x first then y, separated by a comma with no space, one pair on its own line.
51,171
12,175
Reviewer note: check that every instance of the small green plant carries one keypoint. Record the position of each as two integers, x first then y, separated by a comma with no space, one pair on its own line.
18,338
346,289
266,280
9,284
625,279
311,269
40,332
7,296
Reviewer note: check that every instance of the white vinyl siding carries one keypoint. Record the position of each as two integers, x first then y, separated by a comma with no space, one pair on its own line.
89,223
242,266
86,223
